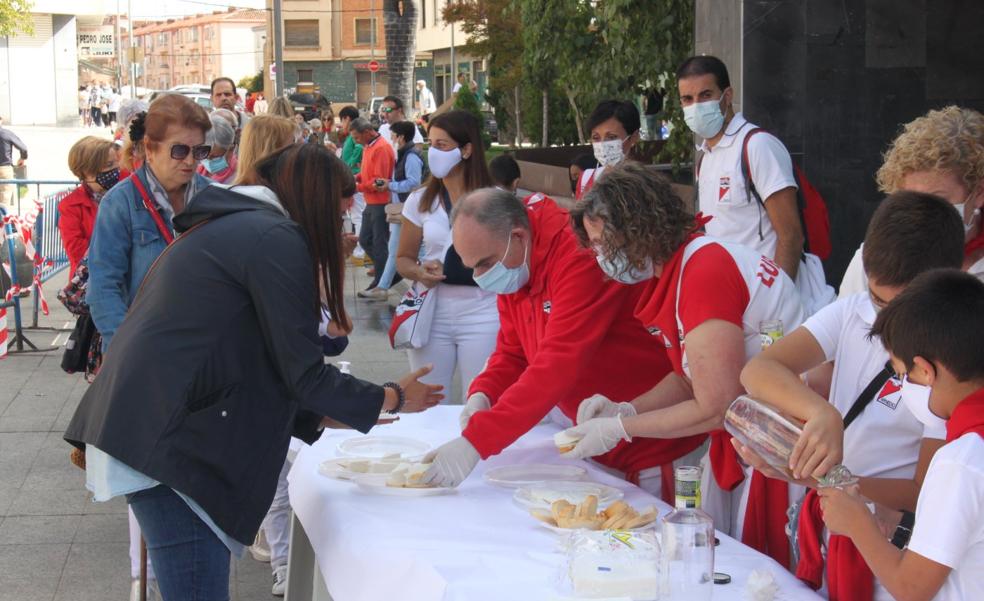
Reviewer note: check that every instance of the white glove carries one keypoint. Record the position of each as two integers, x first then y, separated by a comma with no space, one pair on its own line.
597,437
601,406
450,463
475,403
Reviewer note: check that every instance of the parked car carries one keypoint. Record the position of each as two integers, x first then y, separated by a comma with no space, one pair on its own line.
203,99
309,105
371,110
490,125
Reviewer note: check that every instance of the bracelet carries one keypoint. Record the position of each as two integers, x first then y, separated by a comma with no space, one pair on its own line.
401,397
903,532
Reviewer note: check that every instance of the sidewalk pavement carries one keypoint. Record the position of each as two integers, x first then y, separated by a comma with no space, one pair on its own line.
55,543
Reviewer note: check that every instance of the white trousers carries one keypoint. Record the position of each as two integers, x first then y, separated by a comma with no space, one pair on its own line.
135,549
358,205
463,334
276,524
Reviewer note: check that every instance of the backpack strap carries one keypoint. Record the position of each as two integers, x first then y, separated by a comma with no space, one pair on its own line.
868,394
746,174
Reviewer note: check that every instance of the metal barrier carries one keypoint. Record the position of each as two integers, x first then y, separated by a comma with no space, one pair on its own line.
47,242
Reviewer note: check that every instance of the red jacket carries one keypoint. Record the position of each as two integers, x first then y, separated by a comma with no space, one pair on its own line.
568,334
76,217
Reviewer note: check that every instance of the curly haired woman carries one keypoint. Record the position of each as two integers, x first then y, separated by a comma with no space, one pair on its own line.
940,153
704,300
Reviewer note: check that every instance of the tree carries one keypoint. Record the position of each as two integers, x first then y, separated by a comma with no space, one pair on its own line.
15,17
400,26
252,83
491,27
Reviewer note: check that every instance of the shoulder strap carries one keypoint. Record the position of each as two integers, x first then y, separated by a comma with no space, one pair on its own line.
746,166
154,213
868,394
446,201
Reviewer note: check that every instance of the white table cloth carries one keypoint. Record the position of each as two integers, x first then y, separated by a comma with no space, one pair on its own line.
473,545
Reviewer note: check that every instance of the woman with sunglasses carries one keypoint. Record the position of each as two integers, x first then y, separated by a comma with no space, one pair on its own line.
133,223
219,363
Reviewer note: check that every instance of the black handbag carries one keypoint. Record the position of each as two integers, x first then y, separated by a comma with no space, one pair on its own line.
76,356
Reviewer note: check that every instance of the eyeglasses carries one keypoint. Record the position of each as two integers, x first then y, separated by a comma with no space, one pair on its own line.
386,109
179,152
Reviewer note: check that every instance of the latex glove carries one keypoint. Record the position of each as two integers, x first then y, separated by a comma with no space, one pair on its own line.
450,463
601,406
597,437
475,403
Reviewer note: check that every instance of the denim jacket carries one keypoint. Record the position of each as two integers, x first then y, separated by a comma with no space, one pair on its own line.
125,243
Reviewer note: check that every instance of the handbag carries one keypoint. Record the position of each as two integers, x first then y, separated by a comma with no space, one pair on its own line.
413,318
394,213
76,356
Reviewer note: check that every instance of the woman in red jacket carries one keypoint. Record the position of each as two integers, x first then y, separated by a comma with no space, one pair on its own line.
95,162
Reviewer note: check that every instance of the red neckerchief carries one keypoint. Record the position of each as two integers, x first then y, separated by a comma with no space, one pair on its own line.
152,209
976,244
967,417
657,308
848,576
764,528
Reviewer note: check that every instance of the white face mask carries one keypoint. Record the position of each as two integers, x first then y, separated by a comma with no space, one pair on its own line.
441,162
618,269
609,152
916,398
704,118
973,216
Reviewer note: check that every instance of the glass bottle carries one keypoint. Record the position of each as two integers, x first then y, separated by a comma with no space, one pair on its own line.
687,537
772,436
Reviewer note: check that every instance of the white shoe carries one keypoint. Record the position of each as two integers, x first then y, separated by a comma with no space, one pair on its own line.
259,549
279,581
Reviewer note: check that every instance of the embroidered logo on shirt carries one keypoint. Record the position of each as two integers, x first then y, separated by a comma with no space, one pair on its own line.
724,187
546,307
654,331
891,393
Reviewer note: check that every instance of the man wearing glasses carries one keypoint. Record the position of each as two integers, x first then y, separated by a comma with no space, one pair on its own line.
392,112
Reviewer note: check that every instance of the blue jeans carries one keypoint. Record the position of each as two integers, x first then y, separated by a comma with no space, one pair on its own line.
191,563
389,272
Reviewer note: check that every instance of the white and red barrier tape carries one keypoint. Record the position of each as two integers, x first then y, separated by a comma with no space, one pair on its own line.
25,228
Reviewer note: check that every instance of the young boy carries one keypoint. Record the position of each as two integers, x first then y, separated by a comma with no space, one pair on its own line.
933,332
505,172
883,444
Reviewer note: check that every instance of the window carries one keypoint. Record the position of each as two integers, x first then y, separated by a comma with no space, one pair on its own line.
364,31
423,14
301,32
194,34
177,37
162,38
305,75
436,13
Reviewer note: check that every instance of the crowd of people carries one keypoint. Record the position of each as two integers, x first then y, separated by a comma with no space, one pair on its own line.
214,247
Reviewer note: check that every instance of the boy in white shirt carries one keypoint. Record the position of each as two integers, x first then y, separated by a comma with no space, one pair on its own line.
933,331
883,444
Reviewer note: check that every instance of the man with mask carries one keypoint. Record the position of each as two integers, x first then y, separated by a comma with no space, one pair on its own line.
707,96
614,127
567,332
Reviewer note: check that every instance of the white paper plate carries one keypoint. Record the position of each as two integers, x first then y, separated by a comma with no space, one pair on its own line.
514,476
336,468
377,447
377,487
541,496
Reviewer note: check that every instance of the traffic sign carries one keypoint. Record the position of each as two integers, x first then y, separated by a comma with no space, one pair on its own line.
374,66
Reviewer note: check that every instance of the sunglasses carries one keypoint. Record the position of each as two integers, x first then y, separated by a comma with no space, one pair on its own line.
179,152
386,109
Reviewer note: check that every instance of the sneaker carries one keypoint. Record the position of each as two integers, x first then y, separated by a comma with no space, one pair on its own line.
371,272
279,582
259,549
375,294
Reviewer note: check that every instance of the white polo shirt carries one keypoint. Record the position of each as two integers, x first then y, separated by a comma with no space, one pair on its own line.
949,517
884,440
723,195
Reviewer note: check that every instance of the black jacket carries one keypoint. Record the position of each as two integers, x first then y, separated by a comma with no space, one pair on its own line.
219,361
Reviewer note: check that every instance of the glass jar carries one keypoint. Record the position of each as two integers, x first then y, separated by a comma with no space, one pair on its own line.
687,538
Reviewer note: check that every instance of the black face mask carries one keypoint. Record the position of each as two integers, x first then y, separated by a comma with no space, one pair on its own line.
108,179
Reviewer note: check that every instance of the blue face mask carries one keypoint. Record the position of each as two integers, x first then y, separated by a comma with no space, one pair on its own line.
504,280
618,269
215,165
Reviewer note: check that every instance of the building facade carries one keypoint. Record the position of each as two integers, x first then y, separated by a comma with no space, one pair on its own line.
197,49
330,44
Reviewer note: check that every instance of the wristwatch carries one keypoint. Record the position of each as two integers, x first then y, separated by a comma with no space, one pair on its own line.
401,397
903,532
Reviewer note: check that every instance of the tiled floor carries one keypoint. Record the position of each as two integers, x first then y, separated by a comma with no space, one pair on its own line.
55,543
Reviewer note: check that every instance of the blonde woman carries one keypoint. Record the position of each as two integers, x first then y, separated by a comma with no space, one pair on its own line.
940,153
263,135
